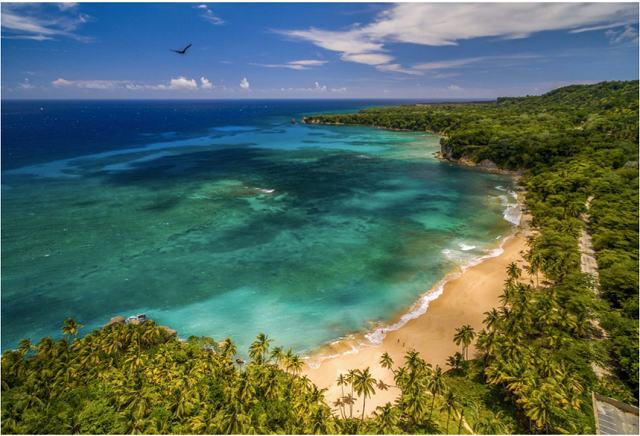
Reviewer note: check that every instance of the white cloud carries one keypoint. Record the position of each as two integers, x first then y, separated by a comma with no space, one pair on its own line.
309,62
347,42
244,84
457,63
90,84
210,17
35,37
316,89
454,88
26,18
206,84
25,85
202,7
617,36
367,58
179,84
67,5
294,65
445,75
589,29
62,82
441,24
182,84
446,23
398,69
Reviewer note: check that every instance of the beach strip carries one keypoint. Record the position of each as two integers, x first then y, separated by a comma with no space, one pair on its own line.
463,301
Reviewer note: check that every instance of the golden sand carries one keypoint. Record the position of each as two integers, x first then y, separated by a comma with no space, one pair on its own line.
463,301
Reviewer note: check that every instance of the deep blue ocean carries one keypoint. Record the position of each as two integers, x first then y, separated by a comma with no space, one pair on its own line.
225,219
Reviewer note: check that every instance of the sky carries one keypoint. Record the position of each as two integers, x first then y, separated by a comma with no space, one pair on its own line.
312,50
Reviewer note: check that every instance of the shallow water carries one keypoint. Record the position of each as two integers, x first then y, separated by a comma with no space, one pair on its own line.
235,226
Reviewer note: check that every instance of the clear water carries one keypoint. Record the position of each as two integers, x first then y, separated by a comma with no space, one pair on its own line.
225,219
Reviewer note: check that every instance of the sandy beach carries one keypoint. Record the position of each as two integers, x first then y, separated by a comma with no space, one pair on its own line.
463,301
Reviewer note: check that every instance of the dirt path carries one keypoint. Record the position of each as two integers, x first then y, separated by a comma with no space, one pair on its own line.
588,258
590,266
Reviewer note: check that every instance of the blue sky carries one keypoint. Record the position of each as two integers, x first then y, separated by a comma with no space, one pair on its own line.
313,50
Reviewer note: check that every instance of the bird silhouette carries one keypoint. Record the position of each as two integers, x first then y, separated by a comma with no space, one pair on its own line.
182,52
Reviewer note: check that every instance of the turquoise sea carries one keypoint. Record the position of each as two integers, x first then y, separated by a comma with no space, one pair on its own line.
224,219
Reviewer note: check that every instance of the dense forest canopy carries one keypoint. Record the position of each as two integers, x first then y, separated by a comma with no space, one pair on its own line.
577,145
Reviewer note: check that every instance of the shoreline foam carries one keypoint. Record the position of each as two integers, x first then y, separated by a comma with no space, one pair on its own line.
374,337
460,298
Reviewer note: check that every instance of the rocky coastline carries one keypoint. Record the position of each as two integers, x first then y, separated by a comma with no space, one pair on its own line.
484,164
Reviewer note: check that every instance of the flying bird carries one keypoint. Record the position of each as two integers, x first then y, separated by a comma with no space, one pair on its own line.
182,52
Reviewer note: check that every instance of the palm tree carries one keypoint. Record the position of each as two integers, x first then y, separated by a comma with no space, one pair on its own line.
24,346
386,361
271,384
456,360
320,422
513,271
436,385
351,378
70,327
277,354
464,335
580,324
450,404
414,399
287,358
488,426
229,349
260,347
488,342
386,419
414,362
364,385
135,358
537,263
296,365
492,319
235,420
342,381
539,406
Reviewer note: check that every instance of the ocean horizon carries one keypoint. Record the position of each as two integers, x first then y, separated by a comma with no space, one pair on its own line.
225,219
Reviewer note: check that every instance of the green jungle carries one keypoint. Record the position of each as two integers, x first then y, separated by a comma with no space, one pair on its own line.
538,355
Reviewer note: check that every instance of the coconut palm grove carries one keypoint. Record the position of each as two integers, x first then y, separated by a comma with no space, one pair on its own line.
556,336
